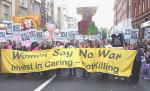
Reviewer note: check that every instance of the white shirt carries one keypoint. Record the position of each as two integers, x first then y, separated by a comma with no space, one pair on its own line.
108,46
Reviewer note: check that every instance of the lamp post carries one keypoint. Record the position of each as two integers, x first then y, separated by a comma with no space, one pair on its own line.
46,16
47,8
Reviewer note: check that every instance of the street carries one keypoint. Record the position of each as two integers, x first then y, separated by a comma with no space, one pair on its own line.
65,83
75,45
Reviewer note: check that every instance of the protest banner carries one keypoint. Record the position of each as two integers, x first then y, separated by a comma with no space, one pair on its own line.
28,21
111,61
2,35
9,25
16,28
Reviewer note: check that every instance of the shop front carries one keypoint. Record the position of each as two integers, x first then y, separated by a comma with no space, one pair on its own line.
145,27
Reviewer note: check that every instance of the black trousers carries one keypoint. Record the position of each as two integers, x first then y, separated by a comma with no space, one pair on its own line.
136,72
105,75
58,72
72,72
85,73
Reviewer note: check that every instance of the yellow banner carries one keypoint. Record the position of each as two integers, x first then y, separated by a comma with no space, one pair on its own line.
111,61
28,21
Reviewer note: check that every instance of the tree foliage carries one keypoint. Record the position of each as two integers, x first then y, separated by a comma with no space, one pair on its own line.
104,32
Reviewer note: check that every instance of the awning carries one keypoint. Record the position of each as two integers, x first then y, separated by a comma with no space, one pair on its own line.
145,24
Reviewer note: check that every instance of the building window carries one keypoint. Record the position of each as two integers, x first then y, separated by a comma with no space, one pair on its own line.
6,12
135,11
23,3
22,12
35,7
130,2
139,9
143,4
148,4
129,12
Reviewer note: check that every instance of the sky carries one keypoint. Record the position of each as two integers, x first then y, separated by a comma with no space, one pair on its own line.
104,15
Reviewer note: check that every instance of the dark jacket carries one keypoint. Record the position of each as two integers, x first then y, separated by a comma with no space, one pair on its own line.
139,55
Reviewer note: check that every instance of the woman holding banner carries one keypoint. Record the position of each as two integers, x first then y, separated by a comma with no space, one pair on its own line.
9,45
137,63
45,46
106,45
85,44
58,44
72,71
147,57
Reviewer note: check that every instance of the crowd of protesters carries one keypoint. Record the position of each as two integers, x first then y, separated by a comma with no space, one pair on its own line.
141,63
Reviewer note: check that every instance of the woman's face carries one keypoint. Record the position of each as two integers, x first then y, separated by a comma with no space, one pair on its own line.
88,44
84,42
58,44
72,42
96,44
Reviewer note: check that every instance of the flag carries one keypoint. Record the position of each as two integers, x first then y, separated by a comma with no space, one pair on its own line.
92,29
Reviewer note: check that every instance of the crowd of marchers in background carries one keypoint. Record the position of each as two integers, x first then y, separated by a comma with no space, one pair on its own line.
141,63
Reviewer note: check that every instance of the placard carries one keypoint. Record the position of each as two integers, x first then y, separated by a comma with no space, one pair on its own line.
24,36
40,36
9,26
134,35
16,28
56,35
2,35
71,35
64,36
33,35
